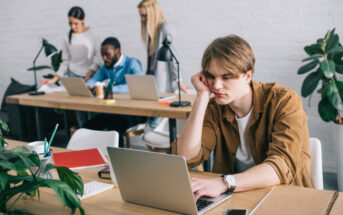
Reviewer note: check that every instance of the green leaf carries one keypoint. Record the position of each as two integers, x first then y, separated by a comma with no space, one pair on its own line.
307,67
310,83
71,178
333,96
313,57
64,193
56,60
39,68
332,42
326,111
328,68
336,50
3,180
339,68
4,126
313,49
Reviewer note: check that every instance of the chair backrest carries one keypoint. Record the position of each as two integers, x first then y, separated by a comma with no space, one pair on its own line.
316,167
85,139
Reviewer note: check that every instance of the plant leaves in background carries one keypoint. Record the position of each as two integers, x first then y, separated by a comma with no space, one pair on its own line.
332,42
308,67
328,68
39,68
334,96
326,111
56,60
313,57
313,49
310,83
4,126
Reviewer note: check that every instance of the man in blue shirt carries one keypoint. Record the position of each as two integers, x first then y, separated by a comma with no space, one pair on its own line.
116,66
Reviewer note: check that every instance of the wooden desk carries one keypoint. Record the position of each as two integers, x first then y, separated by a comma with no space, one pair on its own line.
123,105
110,202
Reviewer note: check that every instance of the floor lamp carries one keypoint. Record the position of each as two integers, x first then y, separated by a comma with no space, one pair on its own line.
166,54
48,49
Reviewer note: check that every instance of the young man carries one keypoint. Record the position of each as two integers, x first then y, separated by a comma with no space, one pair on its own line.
258,131
116,66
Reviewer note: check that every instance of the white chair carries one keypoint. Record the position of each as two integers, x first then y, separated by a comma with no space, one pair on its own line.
316,166
85,139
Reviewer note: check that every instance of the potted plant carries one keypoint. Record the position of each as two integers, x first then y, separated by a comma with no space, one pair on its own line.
17,179
325,64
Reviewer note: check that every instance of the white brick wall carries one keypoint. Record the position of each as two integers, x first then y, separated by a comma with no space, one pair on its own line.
277,30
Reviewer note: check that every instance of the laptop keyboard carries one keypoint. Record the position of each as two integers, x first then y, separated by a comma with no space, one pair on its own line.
201,203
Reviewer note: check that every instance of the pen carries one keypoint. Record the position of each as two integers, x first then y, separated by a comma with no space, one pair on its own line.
48,154
45,149
52,136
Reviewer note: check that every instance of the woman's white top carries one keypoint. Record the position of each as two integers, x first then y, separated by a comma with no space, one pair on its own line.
82,54
244,159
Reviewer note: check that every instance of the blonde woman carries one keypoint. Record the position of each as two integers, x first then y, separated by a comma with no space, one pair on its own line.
154,30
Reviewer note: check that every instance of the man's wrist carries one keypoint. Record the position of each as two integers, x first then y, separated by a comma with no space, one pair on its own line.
230,182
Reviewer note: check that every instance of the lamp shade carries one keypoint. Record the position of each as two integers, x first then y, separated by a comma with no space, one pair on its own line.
48,48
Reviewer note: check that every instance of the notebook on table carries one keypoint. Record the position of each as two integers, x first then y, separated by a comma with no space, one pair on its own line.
76,87
157,180
144,87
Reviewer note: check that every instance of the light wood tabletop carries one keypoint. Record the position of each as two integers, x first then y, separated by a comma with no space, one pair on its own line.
123,104
282,200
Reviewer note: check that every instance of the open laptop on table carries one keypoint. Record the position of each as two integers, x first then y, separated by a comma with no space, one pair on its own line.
143,87
157,180
76,87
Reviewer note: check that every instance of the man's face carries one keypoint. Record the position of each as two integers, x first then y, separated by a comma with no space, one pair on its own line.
222,83
109,55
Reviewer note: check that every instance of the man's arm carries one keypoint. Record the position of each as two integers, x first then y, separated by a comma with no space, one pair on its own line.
99,76
189,141
262,175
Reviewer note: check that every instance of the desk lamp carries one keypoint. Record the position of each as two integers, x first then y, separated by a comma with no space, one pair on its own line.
167,55
48,49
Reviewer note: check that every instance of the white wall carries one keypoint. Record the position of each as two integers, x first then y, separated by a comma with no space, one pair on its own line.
276,29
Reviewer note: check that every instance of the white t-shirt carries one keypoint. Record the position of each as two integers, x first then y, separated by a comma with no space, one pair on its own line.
82,54
244,159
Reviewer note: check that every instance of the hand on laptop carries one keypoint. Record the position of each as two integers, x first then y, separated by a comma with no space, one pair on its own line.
208,187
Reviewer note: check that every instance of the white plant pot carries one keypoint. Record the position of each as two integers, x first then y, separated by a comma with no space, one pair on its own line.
339,155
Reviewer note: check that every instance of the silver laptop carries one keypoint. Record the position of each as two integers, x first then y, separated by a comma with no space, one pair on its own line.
76,87
143,87
156,180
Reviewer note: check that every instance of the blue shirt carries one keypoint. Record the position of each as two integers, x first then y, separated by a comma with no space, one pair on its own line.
117,74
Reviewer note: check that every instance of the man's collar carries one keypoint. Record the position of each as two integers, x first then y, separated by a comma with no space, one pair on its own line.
120,61
258,102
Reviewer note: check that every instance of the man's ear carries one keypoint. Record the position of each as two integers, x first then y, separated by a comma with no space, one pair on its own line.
248,76
117,52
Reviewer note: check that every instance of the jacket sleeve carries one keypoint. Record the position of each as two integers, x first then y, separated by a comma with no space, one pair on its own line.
210,132
134,68
98,76
168,32
289,136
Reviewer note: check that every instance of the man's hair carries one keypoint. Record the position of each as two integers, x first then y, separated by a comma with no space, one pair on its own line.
111,41
233,52
154,19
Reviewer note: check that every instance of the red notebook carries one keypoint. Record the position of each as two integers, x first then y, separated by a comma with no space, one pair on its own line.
80,159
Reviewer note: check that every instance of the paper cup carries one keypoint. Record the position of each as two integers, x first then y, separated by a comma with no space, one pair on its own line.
99,90
37,147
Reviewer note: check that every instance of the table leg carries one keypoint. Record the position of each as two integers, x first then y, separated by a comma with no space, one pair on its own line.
38,125
66,123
